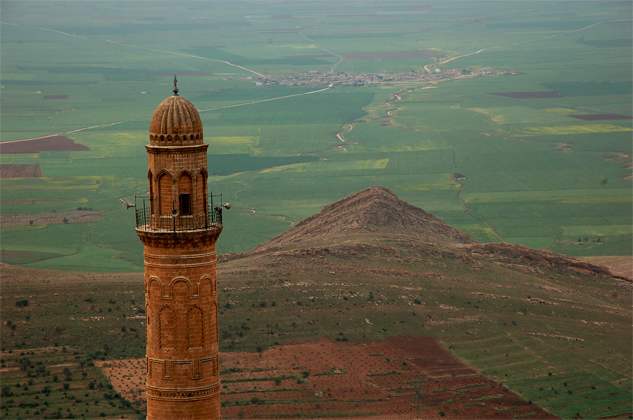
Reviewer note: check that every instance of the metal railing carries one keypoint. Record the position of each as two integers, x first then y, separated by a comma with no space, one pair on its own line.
145,220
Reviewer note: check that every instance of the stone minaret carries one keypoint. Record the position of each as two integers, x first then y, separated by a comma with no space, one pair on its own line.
179,226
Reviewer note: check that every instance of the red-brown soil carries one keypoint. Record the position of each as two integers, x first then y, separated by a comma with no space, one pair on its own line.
51,218
10,170
43,144
601,117
128,376
56,97
399,55
372,379
529,95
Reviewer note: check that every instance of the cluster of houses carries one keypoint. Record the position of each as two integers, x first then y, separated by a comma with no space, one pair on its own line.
315,78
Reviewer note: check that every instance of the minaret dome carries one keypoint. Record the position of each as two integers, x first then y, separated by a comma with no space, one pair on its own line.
175,122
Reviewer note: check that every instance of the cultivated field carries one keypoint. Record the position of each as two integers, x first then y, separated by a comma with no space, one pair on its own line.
401,377
544,148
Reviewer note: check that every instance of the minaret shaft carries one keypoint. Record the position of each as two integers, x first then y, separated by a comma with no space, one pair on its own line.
179,228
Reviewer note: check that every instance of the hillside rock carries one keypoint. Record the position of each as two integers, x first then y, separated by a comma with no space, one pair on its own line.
525,255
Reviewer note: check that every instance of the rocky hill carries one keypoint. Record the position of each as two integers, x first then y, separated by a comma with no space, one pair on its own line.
375,218
375,212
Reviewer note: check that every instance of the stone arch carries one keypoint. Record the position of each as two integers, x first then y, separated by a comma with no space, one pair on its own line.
195,328
212,285
148,287
167,329
188,172
174,287
186,199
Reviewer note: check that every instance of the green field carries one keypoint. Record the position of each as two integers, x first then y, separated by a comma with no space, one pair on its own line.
534,175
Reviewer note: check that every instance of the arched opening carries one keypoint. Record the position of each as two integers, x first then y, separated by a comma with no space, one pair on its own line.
185,187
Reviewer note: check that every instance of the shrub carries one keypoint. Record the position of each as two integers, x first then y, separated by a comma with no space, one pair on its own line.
22,303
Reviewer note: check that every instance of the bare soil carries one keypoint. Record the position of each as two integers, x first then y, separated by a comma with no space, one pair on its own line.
128,376
529,95
42,144
401,377
10,170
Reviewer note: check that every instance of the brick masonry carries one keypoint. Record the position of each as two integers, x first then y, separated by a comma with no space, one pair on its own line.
183,380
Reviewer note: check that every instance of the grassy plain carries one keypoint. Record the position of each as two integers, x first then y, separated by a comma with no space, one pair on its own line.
533,175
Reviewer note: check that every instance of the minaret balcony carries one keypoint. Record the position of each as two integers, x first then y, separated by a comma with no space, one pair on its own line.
148,219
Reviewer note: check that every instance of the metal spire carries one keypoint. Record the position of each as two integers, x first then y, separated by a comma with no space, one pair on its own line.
175,86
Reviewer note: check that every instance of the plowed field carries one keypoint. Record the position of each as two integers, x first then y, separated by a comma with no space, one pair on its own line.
9,170
401,377
42,144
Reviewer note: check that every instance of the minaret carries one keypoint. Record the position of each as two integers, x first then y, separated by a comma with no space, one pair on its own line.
179,226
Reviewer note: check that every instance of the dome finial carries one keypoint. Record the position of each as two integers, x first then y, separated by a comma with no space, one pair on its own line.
175,86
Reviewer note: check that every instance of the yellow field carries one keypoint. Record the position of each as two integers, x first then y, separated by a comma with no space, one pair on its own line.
597,230
227,145
564,111
371,164
520,115
574,129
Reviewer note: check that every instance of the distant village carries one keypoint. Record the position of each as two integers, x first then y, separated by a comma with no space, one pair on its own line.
315,78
